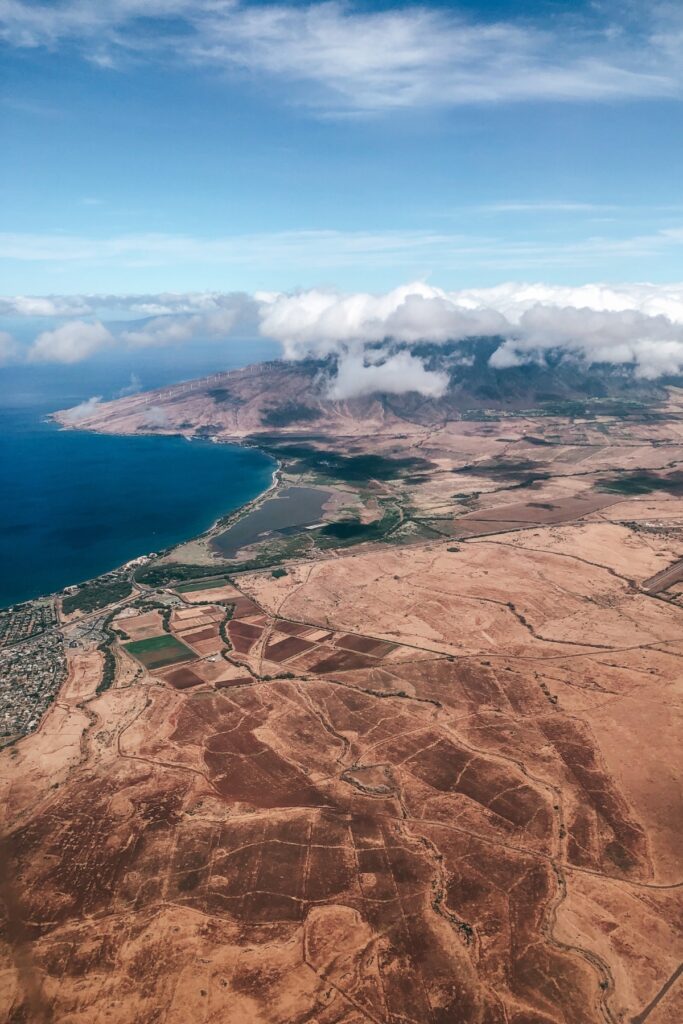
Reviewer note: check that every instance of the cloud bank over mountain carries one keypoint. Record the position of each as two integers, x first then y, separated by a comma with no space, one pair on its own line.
639,325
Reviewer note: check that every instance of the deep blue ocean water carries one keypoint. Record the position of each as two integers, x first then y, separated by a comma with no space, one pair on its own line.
74,504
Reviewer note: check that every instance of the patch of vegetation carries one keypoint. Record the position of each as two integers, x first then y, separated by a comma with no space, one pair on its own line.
169,574
346,532
279,573
349,468
534,439
265,440
290,412
161,574
480,416
519,472
622,408
569,408
346,529
98,594
108,667
209,430
224,396
223,628
643,483
189,588
502,467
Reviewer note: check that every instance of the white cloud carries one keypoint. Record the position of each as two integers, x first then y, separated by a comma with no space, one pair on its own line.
654,344
49,305
82,411
175,330
316,322
139,305
394,375
639,324
155,416
513,298
72,342
337,57
133,387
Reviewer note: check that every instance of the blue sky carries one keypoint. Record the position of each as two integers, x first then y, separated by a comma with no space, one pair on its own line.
175,145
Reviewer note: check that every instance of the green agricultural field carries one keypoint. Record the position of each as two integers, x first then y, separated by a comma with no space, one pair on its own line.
188,588
159,651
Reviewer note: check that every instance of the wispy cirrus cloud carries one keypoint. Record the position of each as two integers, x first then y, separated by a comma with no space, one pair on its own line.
339,58
547,206
301,251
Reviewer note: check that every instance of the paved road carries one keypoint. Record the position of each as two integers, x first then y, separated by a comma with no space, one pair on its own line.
665,578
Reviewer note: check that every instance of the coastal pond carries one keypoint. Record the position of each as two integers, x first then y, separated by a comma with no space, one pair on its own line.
293,508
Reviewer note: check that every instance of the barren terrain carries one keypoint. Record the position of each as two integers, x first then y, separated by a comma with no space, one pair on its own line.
429,775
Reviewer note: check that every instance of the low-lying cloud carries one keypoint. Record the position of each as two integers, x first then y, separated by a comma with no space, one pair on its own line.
640,325
175,320
71,342
653,344
82,411
176,330
358,375
155,416
133,387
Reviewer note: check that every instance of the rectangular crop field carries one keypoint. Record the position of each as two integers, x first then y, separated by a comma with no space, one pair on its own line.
159,651
287,648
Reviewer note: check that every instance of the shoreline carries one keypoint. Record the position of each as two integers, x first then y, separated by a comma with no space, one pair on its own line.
224,521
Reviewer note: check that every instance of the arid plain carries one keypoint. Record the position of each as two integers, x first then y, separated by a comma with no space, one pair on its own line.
432,776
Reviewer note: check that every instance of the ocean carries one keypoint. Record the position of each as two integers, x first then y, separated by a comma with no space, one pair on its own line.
74,505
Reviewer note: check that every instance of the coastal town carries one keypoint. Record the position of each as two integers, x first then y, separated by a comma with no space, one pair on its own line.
22,621
31,673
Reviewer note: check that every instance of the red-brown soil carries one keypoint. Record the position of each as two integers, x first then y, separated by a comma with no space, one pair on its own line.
426,782
183,678
282,650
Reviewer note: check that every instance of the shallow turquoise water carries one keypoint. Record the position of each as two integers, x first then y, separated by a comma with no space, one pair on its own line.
74,505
